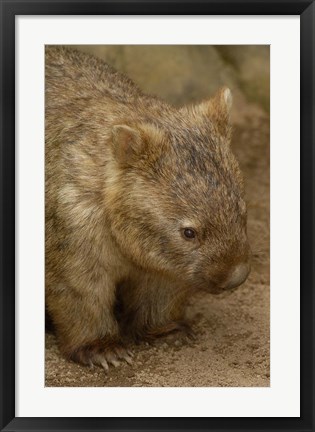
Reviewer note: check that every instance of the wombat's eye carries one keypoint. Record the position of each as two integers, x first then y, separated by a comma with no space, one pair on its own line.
189,233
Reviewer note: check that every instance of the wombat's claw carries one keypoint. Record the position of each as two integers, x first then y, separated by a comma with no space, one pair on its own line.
108,359
124,354
104,365
186,330
114,362
129,360
190,334
113,356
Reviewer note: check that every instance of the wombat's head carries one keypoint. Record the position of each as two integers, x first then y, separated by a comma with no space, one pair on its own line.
177,198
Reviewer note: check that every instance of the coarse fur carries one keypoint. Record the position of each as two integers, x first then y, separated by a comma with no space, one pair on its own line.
126,173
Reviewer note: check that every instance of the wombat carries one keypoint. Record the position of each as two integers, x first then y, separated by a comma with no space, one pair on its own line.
144,207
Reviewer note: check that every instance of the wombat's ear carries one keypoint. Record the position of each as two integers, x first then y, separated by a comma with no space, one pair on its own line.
127,143
218,110
221,103
227,99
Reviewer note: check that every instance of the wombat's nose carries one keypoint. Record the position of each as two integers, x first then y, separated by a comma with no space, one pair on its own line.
237,277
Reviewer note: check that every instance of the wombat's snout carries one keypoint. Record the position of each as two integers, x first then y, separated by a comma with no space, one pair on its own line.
236,277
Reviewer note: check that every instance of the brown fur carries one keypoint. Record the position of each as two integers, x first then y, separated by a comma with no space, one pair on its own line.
125,174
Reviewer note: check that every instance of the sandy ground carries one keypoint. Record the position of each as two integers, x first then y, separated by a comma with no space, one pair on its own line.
232,342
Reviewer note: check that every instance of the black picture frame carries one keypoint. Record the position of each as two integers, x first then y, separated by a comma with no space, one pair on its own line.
9,10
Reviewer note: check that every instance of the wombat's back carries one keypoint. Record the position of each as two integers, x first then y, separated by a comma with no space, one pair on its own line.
72,75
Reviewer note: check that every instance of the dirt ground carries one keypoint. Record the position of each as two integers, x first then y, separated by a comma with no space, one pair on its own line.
232,329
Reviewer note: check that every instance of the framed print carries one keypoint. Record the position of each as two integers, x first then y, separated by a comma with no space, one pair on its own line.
157,215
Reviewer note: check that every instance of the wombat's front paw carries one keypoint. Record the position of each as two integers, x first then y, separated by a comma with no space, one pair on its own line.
101,352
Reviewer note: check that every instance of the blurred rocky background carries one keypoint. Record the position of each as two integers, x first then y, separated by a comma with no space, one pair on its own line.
189,73
232,344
